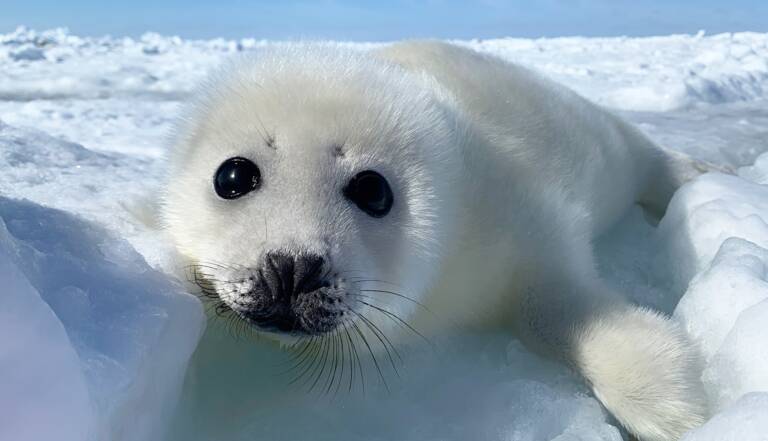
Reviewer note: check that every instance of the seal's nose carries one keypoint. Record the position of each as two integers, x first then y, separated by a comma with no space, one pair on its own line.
291,294
289,275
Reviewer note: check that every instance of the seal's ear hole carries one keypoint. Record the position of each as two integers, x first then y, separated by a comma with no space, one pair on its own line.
371,193
235,177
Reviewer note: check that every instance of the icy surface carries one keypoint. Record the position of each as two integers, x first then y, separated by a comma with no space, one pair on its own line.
36,360
717,225
94,341
473,387
636,73
745,420
100,348
709,308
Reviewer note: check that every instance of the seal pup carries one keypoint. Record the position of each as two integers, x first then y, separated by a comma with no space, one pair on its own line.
322,192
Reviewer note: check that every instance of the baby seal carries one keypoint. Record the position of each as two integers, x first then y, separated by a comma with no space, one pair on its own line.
311,185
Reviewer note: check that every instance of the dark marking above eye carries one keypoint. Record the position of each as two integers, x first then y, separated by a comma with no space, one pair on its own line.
270,142
236,177
337,150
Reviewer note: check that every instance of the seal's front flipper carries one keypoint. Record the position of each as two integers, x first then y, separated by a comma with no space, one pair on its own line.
644,371
639,363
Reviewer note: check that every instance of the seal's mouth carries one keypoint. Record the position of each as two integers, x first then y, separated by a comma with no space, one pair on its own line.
325,317
296,294
309,311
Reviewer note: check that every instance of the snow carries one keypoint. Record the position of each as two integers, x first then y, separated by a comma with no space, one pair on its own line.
717,225
709,310
472,387
97,336
744,420
636,73
702,216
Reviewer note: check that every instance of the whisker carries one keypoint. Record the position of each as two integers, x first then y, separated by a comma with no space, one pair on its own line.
398,320
342,349
297,360
335,363
302,342
357,359
373,357
402,296
357,280
309,360
322,369
383,340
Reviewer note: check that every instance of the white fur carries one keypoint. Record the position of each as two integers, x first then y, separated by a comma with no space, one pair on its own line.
501,180
640,367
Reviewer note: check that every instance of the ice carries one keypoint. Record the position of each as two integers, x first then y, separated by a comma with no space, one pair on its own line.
101,345
702,216
717,229
745,420
757,172
739,366
725,308
707,69
42,380
478,387
735,281
95,341
99,186
29,54
645,74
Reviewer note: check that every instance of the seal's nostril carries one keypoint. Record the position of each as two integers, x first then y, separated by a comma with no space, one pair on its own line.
307,273
281,265
289,275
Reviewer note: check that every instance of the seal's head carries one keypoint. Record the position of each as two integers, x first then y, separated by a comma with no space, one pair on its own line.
311,186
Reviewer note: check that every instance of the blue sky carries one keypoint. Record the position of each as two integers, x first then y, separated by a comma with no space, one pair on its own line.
387,20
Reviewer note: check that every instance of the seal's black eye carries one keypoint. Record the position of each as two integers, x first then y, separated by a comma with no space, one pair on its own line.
236,177
370,192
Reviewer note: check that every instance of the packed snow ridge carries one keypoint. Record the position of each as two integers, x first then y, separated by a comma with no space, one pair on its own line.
95,335
653,74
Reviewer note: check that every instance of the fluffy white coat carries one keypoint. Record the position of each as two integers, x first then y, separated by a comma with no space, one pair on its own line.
501,180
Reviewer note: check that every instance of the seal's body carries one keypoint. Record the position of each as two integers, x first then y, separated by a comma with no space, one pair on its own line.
313,187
